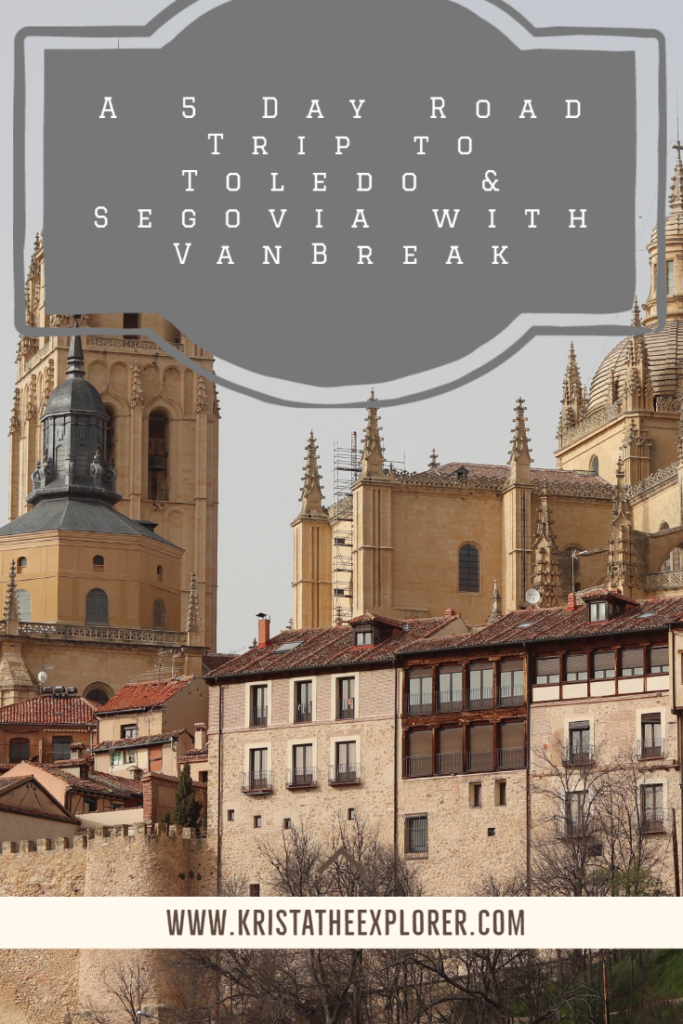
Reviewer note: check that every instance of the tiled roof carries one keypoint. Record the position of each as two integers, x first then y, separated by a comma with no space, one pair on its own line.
136,696
97,783
138,741
332,646
66,711
560,623
197,754
213,660
497,477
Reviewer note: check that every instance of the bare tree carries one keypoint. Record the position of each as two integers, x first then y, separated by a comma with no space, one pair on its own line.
126,988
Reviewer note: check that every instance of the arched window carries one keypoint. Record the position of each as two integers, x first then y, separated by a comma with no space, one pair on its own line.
468,569
98,563
595,466
157,457
98,693
24,605
18,751
159,614
97,608
160,572
21,564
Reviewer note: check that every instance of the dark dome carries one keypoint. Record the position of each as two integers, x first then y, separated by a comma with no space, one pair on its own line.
75,394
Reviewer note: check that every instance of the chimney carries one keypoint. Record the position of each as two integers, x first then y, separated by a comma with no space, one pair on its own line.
571,602
450,612
199,735
263,629
77,751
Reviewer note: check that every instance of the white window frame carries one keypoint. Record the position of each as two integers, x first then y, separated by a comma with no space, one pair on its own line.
269,704
356,691
293,701
257,746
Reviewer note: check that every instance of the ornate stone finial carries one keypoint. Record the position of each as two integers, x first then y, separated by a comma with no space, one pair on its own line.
638,392
520,454
496,605
574,399
635,313
15,418
434,460
202,400
676,191
546,573
621,557
311,492
32,400
193,622
136,388
97,469
372,460
11,609
75,359
679,444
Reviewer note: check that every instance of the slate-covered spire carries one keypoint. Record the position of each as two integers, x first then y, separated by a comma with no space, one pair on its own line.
520,454
311,491
75,360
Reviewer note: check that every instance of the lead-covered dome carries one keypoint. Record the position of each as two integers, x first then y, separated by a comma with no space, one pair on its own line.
665,359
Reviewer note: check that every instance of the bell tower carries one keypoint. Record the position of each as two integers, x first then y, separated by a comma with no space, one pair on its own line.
161,435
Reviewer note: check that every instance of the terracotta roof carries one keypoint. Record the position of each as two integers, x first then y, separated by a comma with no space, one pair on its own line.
197,754
59,814
332,646
497,477
139,741
370,619
536,624
99,783
213,660
66,711
141,696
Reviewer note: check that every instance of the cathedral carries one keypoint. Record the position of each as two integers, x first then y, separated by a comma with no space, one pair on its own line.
477,538
109,556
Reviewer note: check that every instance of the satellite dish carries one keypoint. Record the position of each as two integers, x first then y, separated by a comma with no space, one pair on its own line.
532,596
42,677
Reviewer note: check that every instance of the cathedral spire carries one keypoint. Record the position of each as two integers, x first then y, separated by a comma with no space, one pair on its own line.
193,621
520,454
372,461
573,396
75,359
434,460
676,191
635,313
546,573
312,491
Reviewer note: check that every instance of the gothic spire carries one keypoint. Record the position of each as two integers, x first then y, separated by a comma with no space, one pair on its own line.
193,621
676,192
635,313
520,454
11,609
573,396
311,492
372,461
496,605
546,573
434,460
75,359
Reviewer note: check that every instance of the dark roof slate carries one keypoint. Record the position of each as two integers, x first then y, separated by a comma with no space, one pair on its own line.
77,515
139,741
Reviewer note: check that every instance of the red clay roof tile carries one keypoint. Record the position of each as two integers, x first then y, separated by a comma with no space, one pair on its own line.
66,711
144,695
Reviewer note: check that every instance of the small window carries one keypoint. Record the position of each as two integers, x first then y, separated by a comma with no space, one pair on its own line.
579,749
632,661
129,732
468,569
659,661
351,814
603,665
364,638
575,667
475,794
597,611
257,821
203,776
98,563
287,823
547,670
480,693
259,707
416,834
501,794
231,814
130,757
116,758
21,564
346,697
255,888
18,751
23,605
61,747
338,592
159,614
340,541
90,804
651,741
595,466
131,321
97,608
160,572
669,277
653,808
303,711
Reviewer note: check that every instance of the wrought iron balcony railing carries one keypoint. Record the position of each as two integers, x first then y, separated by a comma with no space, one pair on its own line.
344,774
415,767
479,699
577,756
304,712
258,717
480,760
346,708
657,748
449,764
654,820
569,828
448,701
301,778
512,757
257,782
508,699
417,705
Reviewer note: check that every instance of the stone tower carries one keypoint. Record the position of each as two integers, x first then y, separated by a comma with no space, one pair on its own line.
162,431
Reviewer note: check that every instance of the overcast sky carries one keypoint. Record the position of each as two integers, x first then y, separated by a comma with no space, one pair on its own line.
262,446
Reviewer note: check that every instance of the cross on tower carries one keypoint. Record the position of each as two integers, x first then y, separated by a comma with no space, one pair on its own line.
679,146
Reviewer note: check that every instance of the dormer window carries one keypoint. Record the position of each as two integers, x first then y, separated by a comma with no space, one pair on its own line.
597,611
364,638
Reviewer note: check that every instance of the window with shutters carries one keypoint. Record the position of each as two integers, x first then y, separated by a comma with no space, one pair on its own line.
23,605
659,661
511,752
449,696
96,608
419,697
480,693
418,760
603,665
61,747
480,752
159,614
449,750
575,667
416,835
511,682
651,739
468,569
632,661
547,670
